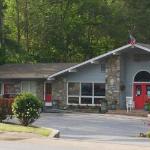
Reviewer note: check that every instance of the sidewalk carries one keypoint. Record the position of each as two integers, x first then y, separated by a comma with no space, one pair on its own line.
17,136
60,144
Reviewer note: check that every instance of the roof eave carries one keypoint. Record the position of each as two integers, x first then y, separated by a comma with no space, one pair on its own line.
142,47
19,78
89,61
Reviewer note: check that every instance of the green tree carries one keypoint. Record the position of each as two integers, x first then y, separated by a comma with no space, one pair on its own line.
2,50
138,18
71,30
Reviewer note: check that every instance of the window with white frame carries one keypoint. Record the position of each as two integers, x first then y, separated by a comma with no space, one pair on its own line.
12,88
73,92
86,93
28,86
74,89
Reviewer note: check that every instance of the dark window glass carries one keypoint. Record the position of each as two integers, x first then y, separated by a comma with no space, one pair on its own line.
86,89
73,88
103,68
138,90
48,88
99,89
85,100
148,90
73,100
142,76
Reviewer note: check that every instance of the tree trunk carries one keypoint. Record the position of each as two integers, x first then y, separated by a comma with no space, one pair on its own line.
18,22
26,25
1,24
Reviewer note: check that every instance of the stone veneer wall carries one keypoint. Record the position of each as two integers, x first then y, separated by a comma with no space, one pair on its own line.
59,91
113,80
40,89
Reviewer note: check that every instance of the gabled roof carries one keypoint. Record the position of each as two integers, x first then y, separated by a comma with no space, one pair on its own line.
35,71
144,47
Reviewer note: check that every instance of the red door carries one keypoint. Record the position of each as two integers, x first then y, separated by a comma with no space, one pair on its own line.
141,94
48,92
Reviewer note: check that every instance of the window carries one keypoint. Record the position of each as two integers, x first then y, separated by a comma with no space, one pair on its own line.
142,76
98,100
103,68
33,87
25,86
73,89
86,89
138,90
85,93
99,89
73,100
73,92
29,86
11,89
86,100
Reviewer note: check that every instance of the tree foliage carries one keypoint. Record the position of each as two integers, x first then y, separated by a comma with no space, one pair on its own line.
70,30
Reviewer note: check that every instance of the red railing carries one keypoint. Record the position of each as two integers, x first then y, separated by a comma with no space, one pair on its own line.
7,104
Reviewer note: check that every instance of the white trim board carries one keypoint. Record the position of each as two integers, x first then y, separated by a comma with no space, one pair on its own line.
97,58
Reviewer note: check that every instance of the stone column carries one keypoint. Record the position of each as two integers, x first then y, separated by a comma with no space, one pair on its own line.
40,89
59,91
113,81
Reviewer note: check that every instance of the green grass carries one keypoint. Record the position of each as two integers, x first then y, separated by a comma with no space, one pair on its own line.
148,134
18,128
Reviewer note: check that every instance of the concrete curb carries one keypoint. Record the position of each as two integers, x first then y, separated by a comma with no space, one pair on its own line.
55,134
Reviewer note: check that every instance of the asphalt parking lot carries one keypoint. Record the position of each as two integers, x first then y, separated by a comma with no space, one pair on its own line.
94,126
80,131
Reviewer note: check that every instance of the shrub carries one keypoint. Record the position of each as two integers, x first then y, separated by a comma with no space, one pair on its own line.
26,108
3,111
147,106
148,134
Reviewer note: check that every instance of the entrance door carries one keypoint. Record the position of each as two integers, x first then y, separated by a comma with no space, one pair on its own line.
148,92
48,94
141,94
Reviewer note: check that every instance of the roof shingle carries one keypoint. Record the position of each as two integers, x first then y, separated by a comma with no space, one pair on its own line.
39,70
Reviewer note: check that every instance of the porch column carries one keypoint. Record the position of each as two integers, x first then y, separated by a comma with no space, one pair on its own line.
59,91
113,81
39,90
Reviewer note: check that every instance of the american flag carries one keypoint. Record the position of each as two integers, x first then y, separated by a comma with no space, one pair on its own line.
132,40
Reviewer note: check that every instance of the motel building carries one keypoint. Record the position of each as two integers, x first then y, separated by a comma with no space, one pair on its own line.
118,75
